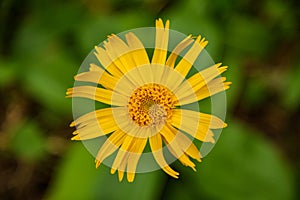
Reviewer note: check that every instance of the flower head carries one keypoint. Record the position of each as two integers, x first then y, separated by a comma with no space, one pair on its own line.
146,101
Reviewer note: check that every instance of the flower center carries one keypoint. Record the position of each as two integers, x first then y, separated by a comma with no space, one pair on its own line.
151,105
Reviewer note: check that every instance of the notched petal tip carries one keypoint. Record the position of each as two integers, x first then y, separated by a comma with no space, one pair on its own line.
111,35
97,48
75,132
76,137
69,91
222,69
159,23
227,85
72,124
170,172
218,64
97,163
167,25
201,41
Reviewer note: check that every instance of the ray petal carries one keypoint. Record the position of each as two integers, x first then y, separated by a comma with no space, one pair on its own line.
134,156
177,50
94,115
95,129
99,77
113,142
98,94
139,56
121,55
186,63
122,166
213,87
204,119
137,50
199,80
156,148
185,144
161,42
107,62
95,124
122,153
192,126
174,147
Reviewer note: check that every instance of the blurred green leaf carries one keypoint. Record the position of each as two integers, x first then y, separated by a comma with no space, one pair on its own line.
28,141
235,75
44,65
255,93
177,189
243,166
248,35
77,178
290,90
193,18
96,29
48,81
8,72
280,14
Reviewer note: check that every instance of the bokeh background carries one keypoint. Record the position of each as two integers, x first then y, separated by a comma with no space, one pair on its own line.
42,44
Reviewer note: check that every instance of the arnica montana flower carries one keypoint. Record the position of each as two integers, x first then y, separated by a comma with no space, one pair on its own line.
146,101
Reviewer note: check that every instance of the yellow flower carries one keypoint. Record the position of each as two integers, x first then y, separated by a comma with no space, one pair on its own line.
147,100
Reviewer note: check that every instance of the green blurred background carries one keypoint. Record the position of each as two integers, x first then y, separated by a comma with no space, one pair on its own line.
42,44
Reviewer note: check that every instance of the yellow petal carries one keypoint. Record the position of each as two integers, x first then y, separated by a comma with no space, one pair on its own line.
177,50
98,94
95,68
120,175
96,129
213,87
163,75
139,56
161,42
122,166
122,153
156,148
118,50
137,50
186,63
199,80
169,136
192,126
121,55
134,156
106,62
158,72
113,142
101,77
92,77
185,144
202,119
110,50
93,116
95,124
174,147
